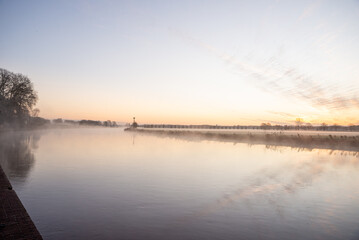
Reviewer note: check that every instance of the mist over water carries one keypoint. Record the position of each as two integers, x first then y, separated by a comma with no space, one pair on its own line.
16,153
97,183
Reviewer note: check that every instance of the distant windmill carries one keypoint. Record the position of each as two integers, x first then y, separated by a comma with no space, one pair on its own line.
134,124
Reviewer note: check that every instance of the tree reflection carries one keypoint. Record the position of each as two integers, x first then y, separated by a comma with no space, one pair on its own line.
300,141
16,153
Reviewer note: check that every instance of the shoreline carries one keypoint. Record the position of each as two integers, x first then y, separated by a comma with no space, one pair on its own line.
308,140
15,222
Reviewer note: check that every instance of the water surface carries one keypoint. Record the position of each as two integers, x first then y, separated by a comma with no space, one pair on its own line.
98,183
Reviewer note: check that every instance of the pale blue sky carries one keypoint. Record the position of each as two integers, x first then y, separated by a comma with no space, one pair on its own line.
216,62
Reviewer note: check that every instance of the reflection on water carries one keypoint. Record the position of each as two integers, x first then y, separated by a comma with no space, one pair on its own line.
269,182
345,141
16,153
109,184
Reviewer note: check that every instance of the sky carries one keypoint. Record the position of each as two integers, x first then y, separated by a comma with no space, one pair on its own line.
187,62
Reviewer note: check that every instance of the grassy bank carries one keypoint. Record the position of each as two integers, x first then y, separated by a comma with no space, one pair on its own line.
320,140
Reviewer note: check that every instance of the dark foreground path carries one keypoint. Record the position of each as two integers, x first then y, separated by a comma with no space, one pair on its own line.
15,222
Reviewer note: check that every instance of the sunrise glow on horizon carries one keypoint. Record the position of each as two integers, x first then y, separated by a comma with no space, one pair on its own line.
186,62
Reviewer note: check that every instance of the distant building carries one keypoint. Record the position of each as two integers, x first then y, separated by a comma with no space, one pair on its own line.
134,124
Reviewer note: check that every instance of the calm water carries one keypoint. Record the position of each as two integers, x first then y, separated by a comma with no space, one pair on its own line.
109,184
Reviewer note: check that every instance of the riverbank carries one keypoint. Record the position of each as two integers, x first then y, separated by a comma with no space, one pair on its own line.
296,139
15,222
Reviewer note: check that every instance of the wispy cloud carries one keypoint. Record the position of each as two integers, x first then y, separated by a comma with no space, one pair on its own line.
288,82
308,11
283,114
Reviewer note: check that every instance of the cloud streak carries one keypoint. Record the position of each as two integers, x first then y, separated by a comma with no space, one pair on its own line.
308,11
288,82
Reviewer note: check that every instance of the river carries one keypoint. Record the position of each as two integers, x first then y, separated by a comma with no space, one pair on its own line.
105,183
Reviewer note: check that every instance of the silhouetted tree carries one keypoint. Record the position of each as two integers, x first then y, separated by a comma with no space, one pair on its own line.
70,121
90,123
35,112
324,126
38,122
58,120
266,126
17,98
335,127
107,123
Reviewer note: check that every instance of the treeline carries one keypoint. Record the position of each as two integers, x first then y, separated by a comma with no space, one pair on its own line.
17,101
310,127
107,123
263,126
